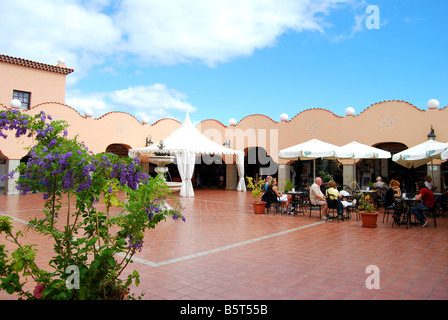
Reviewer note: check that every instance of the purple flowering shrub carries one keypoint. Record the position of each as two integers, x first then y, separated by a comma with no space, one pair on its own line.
89,237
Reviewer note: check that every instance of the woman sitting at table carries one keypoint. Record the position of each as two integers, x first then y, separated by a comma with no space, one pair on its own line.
333,194
280,196
393,191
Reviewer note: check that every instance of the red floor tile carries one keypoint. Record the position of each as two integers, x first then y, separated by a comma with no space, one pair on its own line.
225,252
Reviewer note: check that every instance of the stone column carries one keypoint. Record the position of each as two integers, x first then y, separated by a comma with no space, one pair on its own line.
10,184
348,174
283,175
435,173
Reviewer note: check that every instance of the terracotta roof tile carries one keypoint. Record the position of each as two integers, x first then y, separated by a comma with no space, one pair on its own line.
36,65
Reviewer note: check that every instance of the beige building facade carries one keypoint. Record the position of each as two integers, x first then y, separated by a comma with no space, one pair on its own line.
389,125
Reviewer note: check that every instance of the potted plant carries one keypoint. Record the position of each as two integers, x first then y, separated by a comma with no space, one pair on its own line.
257,191
366,209
289,185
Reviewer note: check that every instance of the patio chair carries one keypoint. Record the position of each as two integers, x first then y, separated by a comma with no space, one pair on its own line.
432,212
315,207
272,202
353,207
298,204
401,212
387,210
333,206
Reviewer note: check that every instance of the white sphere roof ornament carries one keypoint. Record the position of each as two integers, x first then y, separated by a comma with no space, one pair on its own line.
284,117
15,103
232,121
88,113
349,111
145,120
433,104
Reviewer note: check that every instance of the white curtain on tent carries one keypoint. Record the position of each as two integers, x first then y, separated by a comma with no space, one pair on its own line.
240,166
185,166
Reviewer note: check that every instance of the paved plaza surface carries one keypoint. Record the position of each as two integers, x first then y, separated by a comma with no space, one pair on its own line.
225,252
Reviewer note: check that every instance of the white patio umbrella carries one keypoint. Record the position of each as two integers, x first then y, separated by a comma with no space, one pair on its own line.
420,154
309,150
444,154
355,150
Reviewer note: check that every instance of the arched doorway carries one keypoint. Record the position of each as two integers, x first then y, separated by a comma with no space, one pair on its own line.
120,150
258,164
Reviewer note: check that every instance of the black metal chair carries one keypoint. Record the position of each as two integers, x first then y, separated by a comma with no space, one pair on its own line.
297,203
387,210
432,212
353,207
401,212
333,207
272,202
315,207
379,197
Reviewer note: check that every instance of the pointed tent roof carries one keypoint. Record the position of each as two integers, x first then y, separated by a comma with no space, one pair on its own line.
186,138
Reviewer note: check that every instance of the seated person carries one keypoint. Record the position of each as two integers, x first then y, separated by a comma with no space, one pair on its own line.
281,197
267,185
393,191
428,183
333,194
379,183
428,199
317,197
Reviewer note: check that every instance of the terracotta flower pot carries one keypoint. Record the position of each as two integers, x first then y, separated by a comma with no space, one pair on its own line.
369,219
259,207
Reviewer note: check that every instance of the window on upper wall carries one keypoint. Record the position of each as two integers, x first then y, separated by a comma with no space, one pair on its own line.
24,97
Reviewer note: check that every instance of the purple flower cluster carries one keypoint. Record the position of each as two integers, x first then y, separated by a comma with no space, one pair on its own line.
175,217
14,121
128,174
150,210
57,163
134,243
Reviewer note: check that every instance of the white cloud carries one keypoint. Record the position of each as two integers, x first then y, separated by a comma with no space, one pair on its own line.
44,31
155,101
212,32
90,33
86,32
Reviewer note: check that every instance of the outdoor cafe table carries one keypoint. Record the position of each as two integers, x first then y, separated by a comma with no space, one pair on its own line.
411,202
295,200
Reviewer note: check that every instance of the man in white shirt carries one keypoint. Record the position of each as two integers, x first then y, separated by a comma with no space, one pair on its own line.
317,197
428,184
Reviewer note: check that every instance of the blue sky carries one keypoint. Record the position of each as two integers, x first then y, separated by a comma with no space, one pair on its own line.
221,60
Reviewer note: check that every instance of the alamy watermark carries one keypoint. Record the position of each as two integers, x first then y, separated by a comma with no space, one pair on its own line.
72,281
373,280
373,20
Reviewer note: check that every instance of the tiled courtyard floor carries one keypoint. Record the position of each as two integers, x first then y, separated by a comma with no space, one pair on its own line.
225,252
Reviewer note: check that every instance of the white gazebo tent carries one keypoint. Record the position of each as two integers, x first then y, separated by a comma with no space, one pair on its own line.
185,143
